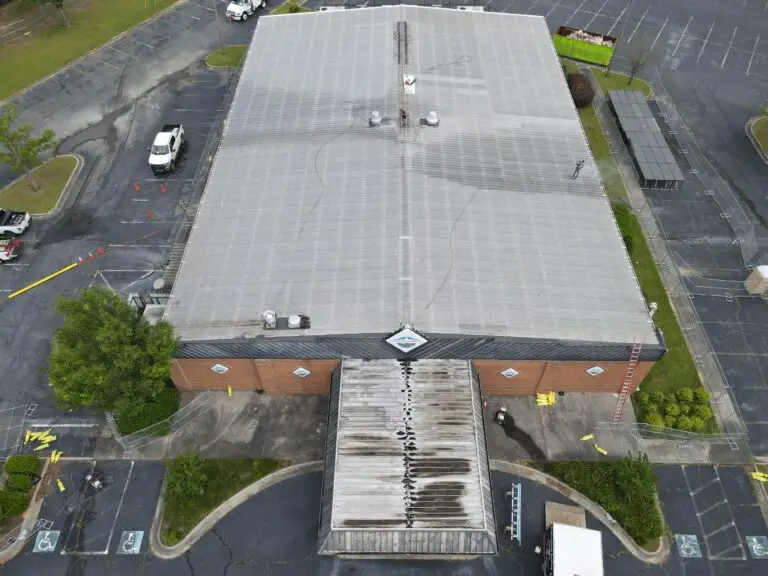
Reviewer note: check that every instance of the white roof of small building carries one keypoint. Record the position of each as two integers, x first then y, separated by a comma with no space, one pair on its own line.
577,551
475,227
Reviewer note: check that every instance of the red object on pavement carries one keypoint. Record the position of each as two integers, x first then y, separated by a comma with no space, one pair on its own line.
100,251
150,214
136,187
163,188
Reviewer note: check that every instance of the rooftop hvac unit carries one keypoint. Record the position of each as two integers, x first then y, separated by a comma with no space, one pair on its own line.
432,118
375,119
270,319
472,8
294,321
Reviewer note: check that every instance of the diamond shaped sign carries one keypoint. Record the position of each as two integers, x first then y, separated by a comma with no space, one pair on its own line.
406,340
595,371
509,373
219,369
302,372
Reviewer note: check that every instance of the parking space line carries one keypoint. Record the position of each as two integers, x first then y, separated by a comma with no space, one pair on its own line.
576,11
715,505
596,15
749,66
698,518
705,41
729,47
617,20
531,6
638,25
553,8
119,505
660,31
682,35
701,488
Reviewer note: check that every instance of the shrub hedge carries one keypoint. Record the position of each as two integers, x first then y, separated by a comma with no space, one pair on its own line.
23,464
13,503
626,489
19,483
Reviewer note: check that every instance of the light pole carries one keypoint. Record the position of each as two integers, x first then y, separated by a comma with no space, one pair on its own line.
218,26
620,37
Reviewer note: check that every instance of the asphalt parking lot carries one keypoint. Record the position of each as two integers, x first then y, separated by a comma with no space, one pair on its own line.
275,533
86,521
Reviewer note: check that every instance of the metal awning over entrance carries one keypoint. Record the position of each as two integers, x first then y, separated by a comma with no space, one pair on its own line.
406,468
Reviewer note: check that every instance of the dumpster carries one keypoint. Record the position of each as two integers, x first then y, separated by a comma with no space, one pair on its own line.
583,45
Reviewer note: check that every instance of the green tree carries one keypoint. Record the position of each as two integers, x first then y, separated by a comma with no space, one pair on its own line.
105,356
59,5
684,395
186,476
22,151
701,396
654,419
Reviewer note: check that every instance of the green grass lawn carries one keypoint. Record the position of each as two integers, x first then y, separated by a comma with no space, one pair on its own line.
227,57
46,50
52,177
615,81
760,130
609,172
625,488
213,482
144,415
291,7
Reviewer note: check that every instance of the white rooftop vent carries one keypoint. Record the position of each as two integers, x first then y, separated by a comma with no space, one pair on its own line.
432,118
294,321
375,119
472,8
331,8
270,318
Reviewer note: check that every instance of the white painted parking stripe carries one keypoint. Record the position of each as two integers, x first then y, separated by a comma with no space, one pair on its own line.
119,505
660,31
531,6
705,41
617,21
749,66
553,8
729,47
596,15
682,35
575,12
638,25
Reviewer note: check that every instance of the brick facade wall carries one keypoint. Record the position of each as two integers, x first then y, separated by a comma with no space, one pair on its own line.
270,376
542,376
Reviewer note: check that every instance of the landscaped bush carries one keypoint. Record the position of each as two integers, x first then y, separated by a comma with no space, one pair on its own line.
138,416
13,503
22,464
686,409
19,483
581,89
626,489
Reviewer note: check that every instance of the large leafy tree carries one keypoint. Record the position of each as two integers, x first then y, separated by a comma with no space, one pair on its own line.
105,356
17,146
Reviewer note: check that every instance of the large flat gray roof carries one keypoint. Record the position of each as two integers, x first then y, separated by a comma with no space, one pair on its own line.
474,227
406,468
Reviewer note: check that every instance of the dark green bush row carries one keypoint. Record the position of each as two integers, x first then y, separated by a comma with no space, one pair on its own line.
19,483
13,503
23,464
626,489
141,415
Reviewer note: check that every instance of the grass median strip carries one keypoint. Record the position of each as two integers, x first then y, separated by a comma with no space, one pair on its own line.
196,486
291,7
53,46
52,176
625,488
760,130
227,57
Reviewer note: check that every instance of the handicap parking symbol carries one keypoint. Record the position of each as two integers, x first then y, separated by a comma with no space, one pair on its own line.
130,542
46,541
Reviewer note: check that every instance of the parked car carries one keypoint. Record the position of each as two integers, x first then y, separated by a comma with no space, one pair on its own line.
241,9
13,223
166,149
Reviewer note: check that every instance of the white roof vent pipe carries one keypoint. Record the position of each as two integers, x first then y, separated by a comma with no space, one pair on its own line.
270,319
294,321
375,119
432,118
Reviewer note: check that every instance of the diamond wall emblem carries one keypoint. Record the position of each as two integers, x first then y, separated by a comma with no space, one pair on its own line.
595,371
510,373
219,369
302,372
406,340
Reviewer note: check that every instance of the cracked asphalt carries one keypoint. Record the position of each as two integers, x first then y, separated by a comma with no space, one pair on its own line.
109,117
275,532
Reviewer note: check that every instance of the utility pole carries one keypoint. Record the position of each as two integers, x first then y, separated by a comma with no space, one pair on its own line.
620,37
218,26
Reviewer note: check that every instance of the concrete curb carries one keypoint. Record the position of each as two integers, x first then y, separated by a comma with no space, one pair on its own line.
749,129
660,556
169,552
162,12
30,517
79,162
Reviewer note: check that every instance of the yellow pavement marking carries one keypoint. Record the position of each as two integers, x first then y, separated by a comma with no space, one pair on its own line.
43,280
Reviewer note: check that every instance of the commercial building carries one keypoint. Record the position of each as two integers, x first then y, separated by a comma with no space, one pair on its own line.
395,218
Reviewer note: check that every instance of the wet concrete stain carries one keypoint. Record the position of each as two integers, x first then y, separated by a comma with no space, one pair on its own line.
522,438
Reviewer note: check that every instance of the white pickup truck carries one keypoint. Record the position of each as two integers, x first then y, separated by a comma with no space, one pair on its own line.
13,223
166,149
241,9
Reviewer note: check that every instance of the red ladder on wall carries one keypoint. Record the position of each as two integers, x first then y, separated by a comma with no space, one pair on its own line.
634,357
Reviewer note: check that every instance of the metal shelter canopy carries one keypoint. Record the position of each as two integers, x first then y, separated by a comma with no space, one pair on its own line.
406,467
